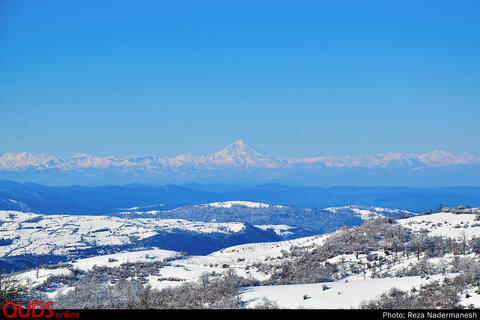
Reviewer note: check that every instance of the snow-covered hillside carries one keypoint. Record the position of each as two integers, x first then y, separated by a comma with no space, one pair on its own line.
340,294
367,212
40,238
210,226
445,224
229,204
308,221
415,255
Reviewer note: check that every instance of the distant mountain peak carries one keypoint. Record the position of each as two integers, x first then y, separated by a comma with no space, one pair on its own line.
239,153
239,147
239,143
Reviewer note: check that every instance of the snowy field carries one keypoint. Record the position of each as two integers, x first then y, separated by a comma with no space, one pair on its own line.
445,224
338,295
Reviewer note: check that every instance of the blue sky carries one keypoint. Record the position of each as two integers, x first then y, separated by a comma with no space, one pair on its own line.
291,78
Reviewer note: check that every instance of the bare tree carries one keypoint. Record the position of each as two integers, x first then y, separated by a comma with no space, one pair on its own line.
11,289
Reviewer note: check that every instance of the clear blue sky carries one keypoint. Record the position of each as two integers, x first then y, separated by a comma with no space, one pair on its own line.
291,78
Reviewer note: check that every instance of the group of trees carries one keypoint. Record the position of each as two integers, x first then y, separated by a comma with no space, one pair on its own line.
312,220
433,295
439,294
211,291
310,265
385,243
455,210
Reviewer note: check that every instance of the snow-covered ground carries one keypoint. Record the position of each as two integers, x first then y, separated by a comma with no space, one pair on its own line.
369,212
40,275
115,260
30,233
346,292
339,294
446,224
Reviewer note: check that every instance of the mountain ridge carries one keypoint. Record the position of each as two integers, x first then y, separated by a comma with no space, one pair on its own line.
242,163
238,153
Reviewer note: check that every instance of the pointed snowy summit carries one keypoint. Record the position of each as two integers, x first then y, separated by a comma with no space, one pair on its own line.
241,154
239,147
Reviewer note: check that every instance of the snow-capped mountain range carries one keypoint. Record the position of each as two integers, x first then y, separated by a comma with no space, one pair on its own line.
241,163
238,154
